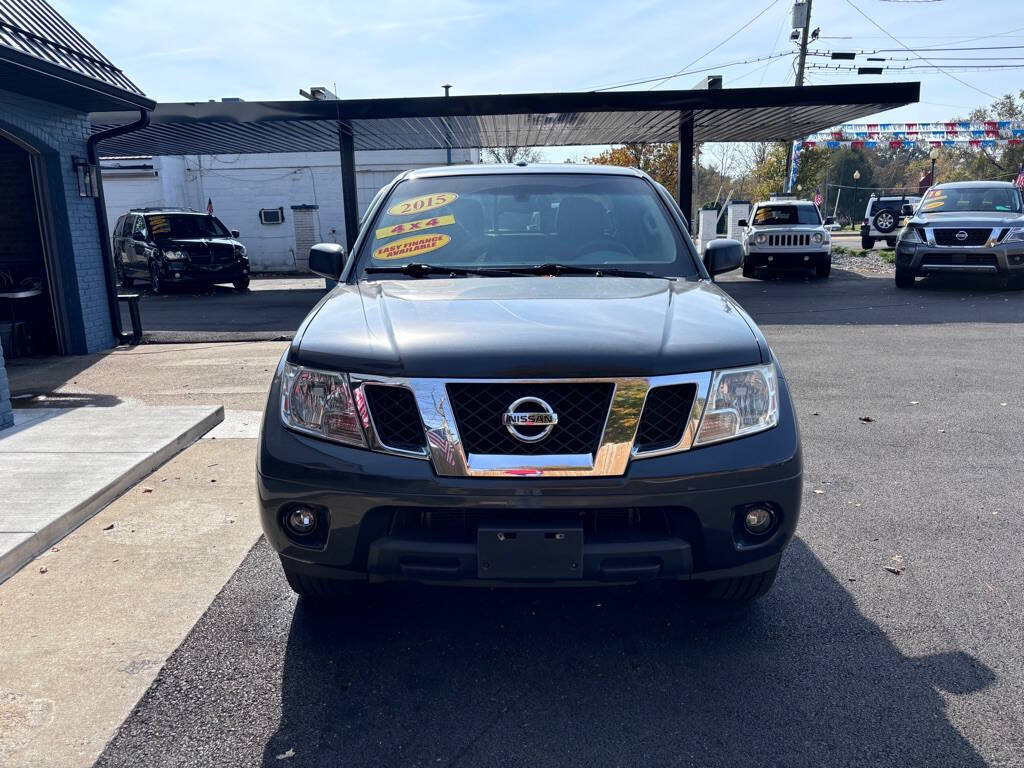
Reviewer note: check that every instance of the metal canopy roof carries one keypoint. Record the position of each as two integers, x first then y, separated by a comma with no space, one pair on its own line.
43,56
535,120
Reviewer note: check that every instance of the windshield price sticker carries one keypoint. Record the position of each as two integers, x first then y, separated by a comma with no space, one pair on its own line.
422,203
408,247
159,225
412,226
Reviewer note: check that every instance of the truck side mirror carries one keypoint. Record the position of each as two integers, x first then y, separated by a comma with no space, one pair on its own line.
742,223
907,210
327,260
234,233
722,255
830,220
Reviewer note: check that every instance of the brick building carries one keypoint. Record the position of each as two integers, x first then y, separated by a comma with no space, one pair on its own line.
56,287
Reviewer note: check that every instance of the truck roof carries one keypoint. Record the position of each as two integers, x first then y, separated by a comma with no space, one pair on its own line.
479,169
970,184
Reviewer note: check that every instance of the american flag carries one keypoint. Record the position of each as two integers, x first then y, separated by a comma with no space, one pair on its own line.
209,206
1020,176
817,198
439,439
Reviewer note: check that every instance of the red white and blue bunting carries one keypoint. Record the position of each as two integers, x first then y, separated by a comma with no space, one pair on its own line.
963,134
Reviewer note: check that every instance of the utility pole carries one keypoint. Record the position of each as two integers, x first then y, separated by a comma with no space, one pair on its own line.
448,139
805,32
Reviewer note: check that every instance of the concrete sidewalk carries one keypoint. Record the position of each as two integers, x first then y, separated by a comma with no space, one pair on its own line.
60,466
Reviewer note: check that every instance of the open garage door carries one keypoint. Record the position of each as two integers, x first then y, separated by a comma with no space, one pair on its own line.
27,319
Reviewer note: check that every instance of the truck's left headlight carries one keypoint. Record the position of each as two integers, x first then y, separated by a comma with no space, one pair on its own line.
176,255
1016,234
320,403
742,401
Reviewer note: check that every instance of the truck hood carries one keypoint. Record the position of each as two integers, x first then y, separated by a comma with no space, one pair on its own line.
969,219
527,327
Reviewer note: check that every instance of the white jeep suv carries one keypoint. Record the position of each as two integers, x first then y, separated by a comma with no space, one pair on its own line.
782,233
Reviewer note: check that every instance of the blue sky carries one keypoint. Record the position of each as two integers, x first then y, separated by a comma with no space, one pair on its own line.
193,50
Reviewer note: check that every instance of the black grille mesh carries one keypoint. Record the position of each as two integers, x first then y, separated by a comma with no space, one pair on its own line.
664,417
395,416
974,236
581,407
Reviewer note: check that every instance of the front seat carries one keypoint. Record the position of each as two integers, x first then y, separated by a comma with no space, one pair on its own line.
580,220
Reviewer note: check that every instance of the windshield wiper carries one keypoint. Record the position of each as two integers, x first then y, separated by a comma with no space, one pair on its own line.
419,269
568,269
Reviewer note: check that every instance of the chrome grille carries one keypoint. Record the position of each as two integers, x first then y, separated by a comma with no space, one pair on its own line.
789,240
582,408
973,236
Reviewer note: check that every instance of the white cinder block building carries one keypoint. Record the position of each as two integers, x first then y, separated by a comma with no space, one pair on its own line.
280,203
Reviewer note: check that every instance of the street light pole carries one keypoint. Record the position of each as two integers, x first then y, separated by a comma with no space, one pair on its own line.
934,154
856,192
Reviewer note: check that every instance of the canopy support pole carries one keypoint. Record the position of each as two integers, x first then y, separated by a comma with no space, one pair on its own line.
349,199
686,166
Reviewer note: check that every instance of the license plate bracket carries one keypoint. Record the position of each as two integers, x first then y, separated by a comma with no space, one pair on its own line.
523,551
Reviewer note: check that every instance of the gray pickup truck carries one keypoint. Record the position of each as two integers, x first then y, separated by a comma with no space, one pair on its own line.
526,376
964,227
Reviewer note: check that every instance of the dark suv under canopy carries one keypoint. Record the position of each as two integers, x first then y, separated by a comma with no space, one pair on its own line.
174,245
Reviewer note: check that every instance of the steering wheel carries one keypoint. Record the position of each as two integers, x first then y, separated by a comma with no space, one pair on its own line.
605,244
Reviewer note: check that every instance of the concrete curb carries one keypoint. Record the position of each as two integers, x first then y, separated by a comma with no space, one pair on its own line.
24,552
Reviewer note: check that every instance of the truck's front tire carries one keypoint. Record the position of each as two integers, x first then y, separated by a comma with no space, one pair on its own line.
904,278
741,589
323,590
824,266
867,243
749,270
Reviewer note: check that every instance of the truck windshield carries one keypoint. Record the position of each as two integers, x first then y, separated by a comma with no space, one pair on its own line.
506,220
185,225
953,199
769,215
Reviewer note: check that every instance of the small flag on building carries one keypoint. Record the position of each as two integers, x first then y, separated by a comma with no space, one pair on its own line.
1020,176
209,206
817,197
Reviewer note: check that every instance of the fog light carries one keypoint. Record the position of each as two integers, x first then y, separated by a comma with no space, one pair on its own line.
301,521
177,274
758,520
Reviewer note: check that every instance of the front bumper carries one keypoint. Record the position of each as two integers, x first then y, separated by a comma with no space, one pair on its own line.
388,517
1004,260
806,257
187,272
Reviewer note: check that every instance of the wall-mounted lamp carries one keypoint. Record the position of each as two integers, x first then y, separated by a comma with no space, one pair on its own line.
88,177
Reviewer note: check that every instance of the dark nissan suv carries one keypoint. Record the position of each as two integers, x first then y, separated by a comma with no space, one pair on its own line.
526,376
174,245
964,227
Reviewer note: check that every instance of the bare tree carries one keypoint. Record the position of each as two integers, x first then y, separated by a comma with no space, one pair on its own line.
510,155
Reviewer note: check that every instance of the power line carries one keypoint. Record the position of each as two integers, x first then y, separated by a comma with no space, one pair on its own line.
899,42
690,72
715,48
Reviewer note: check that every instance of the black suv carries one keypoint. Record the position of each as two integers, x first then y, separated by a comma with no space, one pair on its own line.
175,245
965,227
526,376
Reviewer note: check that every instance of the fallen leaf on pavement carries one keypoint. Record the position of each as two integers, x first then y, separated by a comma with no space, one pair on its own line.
915,402
286,755
818,490
42,569
107,528
866,419
893,569
147,490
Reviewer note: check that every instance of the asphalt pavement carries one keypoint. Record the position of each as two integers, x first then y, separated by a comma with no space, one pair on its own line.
892,636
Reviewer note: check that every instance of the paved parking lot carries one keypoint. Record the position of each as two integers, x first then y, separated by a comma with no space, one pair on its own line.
844,663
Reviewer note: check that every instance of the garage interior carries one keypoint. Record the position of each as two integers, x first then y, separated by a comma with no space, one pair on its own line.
27,325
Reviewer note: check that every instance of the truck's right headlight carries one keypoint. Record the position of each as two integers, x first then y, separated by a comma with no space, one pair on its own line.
760,238
910,235
320,403
742,401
